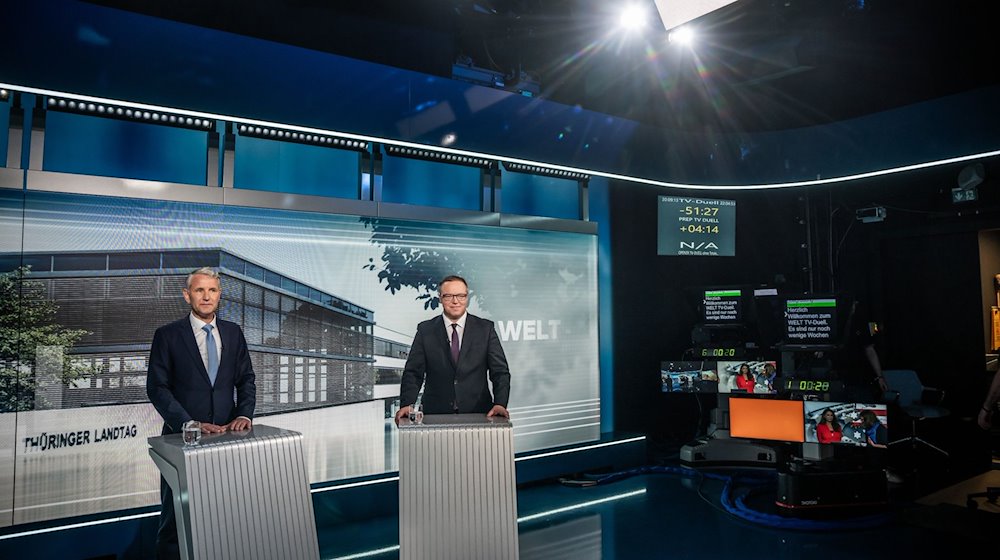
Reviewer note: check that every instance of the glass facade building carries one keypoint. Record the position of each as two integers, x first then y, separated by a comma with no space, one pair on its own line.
309,348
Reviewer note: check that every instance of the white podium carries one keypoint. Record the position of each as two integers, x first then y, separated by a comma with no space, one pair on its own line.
240,495
457,489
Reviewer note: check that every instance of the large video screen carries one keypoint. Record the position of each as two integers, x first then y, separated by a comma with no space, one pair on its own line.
329,305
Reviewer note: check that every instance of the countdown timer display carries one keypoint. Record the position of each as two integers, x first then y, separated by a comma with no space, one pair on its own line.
719,352
696,226
812,385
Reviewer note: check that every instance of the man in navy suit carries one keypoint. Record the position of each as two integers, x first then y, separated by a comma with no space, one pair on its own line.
196,365
452,356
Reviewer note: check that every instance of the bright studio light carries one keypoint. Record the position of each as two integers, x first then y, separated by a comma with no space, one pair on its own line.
683,35
633,17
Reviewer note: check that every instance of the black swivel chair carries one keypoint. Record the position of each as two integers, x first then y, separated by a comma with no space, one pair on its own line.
917,401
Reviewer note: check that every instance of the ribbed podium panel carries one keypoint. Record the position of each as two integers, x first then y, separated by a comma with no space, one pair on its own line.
457,489
240,496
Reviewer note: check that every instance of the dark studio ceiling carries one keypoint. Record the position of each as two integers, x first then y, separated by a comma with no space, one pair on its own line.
758,64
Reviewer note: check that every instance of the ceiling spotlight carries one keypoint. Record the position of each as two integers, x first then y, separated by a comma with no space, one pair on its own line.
683,35
633,17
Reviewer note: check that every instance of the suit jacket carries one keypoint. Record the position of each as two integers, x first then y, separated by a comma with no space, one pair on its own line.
451,387
177,383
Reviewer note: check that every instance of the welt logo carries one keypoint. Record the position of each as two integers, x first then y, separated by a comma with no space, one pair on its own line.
530,329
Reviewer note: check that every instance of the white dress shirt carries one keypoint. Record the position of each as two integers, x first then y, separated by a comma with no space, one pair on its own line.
200,336
461,326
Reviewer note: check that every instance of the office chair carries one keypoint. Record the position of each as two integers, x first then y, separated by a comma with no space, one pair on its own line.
916,400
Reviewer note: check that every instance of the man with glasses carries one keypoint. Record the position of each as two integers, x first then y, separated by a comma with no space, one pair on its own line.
452,356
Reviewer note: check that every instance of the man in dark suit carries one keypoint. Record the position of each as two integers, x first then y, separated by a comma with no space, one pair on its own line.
452,356
195,366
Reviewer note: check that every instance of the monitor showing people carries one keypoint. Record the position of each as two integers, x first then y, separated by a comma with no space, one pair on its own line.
850,423
688,377
758,377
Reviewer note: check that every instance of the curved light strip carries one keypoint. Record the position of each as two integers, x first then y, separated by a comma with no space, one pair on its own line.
581,505
78,525
368,553
551,166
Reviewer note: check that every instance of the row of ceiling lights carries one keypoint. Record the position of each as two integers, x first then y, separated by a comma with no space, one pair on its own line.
128,113
305,137
164,117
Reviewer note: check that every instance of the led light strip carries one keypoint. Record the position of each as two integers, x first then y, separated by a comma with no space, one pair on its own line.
581,505
78,525
576,449
560,173
124,112
549,166
368,553
354,484
302,137
445,157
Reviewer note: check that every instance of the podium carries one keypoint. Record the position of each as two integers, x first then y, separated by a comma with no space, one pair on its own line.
457,489
240,495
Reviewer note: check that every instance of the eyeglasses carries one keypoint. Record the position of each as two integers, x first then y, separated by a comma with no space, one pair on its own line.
454,297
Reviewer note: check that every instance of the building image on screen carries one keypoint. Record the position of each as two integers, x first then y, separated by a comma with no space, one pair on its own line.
688,377
845,422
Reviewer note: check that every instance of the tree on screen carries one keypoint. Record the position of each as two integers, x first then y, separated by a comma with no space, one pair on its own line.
28,332
407,262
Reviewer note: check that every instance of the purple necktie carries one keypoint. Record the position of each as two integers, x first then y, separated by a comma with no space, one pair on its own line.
454,342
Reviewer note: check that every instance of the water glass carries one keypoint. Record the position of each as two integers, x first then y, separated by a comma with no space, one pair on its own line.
417,413
192,432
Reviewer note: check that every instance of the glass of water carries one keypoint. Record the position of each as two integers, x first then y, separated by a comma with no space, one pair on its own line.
417,413
192,432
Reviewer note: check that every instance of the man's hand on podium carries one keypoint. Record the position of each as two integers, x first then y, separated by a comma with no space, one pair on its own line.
239,424
498,410
402,412
207,428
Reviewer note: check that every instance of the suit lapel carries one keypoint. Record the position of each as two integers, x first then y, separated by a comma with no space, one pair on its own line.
224,333
468,337
187,335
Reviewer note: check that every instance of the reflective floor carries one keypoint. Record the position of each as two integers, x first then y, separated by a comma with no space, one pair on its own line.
674,512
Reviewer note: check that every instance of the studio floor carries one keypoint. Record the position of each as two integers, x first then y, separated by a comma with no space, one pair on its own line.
670,511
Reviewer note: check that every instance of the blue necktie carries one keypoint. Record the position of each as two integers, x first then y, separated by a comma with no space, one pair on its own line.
454,342
213,353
